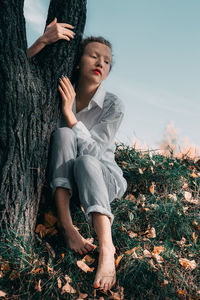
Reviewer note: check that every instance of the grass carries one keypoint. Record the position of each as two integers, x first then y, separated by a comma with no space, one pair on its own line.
160,208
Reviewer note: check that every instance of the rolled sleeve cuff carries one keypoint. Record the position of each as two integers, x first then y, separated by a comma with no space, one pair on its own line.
80,128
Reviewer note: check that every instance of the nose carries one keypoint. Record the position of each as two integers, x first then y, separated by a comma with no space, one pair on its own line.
100,62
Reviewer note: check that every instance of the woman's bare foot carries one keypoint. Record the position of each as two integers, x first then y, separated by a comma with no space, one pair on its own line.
76,241
106,275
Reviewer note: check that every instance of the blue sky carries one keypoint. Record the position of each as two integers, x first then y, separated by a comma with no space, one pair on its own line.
156,73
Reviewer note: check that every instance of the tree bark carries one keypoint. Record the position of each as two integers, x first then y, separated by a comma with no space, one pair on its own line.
30,107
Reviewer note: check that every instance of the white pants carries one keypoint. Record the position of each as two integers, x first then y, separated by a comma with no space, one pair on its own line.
85,176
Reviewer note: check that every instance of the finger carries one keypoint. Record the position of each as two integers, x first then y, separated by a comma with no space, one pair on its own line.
53,22
68,32
66,25
64,87
70,86
67,85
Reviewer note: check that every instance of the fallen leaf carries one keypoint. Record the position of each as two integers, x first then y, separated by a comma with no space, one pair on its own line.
140,171
181,292
187,195
131,251
132,234
67,288
159,258
68,279
195,237
187,264
88,260
62,255
124,164
84,267
130,197
59,283
147,253
49,219
81,296
173,197
158,249
182,242
196,225
5,266
117,260
2,294
194,175
38,286
151,233
115,296
152,188
41,230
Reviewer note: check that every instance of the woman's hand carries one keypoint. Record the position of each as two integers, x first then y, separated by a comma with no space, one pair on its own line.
67,93
54,32
57,31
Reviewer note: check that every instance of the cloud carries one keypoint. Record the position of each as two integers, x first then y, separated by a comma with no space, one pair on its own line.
35,13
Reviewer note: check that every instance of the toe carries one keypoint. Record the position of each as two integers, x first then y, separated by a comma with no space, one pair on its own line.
89,247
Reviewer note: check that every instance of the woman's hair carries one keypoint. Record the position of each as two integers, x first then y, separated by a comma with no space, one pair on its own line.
83,44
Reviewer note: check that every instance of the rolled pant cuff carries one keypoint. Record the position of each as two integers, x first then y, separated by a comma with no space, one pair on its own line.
60,182
99,209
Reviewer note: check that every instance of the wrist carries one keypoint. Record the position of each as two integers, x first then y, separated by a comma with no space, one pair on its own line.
42,40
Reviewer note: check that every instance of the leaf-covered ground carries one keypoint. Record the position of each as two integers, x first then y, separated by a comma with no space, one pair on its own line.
155,231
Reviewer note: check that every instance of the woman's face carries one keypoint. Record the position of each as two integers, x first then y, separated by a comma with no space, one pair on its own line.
95,62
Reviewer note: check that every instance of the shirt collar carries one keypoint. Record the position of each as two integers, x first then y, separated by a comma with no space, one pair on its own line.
98,97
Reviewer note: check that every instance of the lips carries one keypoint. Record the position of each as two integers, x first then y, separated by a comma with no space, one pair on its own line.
97,71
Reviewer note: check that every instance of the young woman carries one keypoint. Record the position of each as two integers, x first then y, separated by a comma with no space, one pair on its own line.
82,154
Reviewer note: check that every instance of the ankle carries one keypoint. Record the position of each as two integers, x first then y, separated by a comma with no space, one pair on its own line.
107,248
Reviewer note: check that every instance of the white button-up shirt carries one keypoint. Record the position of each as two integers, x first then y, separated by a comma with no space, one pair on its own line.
96,131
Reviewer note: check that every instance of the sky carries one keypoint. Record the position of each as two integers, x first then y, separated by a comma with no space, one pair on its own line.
156,48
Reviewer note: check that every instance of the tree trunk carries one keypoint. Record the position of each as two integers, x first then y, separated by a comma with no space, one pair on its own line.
30,107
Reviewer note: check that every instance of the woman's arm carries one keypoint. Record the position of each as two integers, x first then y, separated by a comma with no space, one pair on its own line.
54,32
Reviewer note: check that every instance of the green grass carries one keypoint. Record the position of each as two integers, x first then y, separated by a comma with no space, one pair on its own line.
138,277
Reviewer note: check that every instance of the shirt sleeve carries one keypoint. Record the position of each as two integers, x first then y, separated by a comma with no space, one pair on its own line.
95,141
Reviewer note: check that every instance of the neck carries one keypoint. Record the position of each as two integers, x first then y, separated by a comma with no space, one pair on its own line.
85,91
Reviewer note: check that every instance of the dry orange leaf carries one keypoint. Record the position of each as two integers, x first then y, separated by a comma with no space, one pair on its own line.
132,234
187,264
131,251
130,197
181,292
68,279
67,288
38,286
49,219
195,237
159,258
84,267
196,225
152,188
88,260
41,229
158,249
82,296
62,255
5,266
151,233
194,175
59,283
117,260
147,253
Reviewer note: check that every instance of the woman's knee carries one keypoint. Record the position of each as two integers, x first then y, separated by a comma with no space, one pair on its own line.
85,163
63,135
